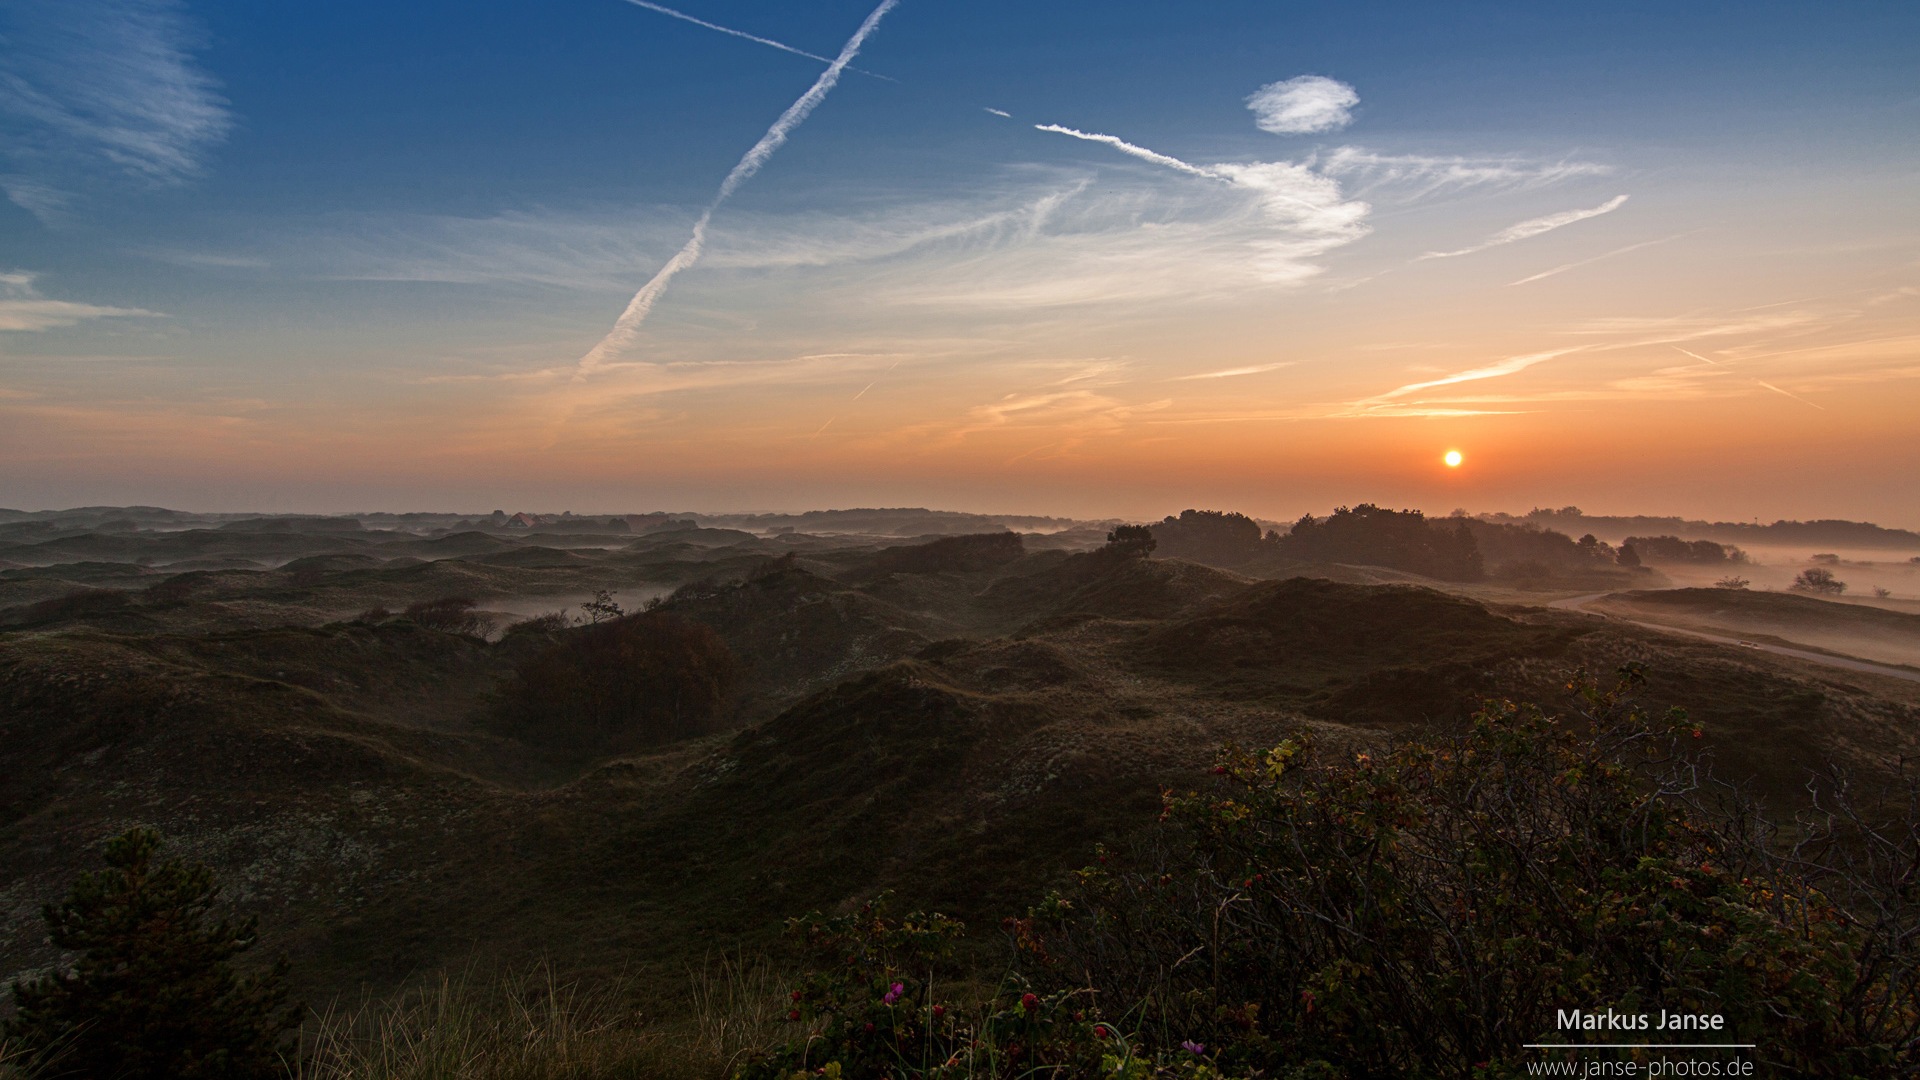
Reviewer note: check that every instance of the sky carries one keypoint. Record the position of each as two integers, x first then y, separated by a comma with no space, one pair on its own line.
1087,259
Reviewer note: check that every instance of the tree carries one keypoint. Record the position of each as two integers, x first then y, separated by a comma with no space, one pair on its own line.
152,994
1628,557
1732,583
602,607
1135,540
1819,580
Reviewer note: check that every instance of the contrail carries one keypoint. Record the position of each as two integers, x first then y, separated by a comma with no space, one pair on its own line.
1532,227
684,17
1794,396
627,327
1697,356
998,112
782,46
1140,152
1597,258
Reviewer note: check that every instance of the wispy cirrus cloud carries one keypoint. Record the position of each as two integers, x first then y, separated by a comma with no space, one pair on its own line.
24,310
1533,227
96,89
1230,373
1419,175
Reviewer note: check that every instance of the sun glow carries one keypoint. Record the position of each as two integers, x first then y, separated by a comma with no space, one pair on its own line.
1453,459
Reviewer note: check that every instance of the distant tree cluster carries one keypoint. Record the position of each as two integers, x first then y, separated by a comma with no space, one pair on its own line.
1530,551
1208,536
1403,539
1674,549
621,684
1131,541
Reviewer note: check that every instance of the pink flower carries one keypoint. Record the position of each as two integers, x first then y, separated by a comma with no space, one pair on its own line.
893,995
1192,1047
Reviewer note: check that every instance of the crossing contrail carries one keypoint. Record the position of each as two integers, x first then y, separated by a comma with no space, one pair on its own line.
627,327
684,17
756,38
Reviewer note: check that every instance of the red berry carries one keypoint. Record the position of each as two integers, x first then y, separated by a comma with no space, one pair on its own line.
1099,1031
1029,1002
796,995
793,1014
939,1011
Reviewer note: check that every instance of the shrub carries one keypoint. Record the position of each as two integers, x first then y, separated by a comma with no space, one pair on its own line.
1426,909
620,685
152,994
1819,580
873,1008
1732,581
451,615
551,622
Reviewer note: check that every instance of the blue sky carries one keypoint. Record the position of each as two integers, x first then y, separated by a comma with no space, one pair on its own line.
258,218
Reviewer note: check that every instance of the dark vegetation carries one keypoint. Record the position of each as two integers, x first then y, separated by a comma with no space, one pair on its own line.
152,993
721,731
620,684
1674,549
1820,580
1209,536
1421,908
1826,532
1403,539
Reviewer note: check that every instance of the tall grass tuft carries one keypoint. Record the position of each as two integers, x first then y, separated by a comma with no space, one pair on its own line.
538,1026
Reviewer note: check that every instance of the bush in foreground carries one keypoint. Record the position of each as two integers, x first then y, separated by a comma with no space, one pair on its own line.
1420,910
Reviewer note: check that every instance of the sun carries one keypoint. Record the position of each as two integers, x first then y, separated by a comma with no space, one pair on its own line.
1453,459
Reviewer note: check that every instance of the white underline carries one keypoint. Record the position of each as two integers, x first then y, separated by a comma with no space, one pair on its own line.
1639,1046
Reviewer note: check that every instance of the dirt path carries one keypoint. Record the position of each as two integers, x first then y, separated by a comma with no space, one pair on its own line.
1579,604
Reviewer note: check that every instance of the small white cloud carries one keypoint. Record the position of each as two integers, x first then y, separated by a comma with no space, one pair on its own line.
1303,106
